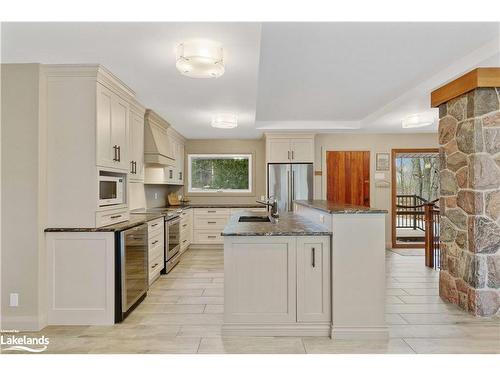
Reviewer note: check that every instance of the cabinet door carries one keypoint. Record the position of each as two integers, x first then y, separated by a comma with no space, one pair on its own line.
302,150
136,147
313,279
279,151
105,153
263,284
119,131
180,158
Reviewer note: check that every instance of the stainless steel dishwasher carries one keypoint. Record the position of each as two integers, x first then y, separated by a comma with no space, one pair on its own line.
132,270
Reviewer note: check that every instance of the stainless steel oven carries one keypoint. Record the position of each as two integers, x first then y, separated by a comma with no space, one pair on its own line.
172,242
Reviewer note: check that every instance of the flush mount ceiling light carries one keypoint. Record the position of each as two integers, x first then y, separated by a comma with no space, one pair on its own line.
200,59
225,121
417,120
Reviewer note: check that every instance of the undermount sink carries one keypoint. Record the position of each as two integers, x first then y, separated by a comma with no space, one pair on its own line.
254,219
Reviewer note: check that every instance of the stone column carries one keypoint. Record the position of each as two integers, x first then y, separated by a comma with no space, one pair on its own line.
469,139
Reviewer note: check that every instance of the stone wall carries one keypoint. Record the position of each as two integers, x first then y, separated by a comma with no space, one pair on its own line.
469,139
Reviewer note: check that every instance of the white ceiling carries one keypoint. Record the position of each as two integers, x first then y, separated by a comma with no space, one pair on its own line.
300,76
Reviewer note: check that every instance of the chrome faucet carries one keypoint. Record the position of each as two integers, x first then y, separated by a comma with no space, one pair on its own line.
273,203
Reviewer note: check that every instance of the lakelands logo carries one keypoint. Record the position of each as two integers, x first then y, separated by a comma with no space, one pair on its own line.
11,342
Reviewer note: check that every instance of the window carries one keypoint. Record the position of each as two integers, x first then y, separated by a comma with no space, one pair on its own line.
227,173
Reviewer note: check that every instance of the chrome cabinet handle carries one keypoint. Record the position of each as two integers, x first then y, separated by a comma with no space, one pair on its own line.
154,242
154,266
292,155
115,216
170,173
184,241
115,149
119,153
313,257
211,222
154,225
211,212
288,153
212,236
184,225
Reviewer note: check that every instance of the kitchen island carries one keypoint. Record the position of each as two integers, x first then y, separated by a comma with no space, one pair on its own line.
319,271
276,277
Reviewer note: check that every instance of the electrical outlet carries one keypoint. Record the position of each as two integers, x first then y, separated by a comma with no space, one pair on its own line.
321,218
14,300
156,195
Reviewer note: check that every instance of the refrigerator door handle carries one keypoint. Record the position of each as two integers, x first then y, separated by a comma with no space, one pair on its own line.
288,190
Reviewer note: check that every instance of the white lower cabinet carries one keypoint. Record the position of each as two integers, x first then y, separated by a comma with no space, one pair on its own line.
186,230
277,285
156,248
313,279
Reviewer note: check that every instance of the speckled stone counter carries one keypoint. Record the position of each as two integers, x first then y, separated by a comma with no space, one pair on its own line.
135,219
218,205
336,208
288,224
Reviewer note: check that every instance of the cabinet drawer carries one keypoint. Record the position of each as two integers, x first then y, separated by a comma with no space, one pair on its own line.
155,268
155,225
155,252
206,222
212,212
186,226
208,237
155,241
103,218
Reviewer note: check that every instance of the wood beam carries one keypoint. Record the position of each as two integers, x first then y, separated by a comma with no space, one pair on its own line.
479,77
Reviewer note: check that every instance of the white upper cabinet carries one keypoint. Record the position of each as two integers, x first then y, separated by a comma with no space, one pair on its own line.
279,151
136,144
112,129
302,150
290,148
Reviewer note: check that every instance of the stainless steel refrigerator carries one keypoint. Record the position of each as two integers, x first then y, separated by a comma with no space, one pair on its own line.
288,182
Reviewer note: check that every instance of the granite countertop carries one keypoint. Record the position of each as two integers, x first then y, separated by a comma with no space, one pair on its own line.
135,219
218,205
338,208
288,224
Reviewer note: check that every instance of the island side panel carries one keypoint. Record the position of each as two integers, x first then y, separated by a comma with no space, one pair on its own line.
358,278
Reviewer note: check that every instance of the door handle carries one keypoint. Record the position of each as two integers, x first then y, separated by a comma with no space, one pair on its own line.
313,257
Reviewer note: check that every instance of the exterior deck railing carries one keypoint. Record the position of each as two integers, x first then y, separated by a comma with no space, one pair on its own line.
432,248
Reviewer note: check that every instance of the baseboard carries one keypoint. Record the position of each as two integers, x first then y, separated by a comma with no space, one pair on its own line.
296,329
21,323
360,333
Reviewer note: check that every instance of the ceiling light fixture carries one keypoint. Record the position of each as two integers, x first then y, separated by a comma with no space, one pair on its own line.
200,59
417,120
225,121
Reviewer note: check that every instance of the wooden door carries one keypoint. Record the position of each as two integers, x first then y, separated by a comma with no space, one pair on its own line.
348,177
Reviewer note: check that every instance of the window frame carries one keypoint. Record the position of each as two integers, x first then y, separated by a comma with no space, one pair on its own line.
233,192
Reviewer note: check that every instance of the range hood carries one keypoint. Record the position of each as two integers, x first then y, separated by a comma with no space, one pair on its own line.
158,148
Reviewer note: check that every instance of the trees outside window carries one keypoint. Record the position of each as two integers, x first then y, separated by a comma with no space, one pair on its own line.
220,172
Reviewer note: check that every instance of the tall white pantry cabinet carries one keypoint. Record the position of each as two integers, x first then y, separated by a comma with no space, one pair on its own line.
88,115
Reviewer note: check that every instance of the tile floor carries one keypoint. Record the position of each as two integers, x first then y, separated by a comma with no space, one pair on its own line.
183,314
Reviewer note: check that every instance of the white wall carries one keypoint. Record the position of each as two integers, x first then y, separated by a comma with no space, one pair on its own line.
24,196
379,197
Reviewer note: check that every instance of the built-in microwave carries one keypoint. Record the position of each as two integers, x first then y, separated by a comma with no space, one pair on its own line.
111,190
